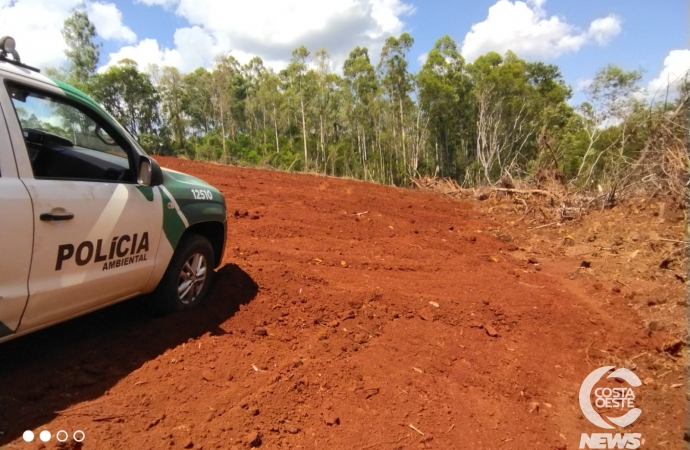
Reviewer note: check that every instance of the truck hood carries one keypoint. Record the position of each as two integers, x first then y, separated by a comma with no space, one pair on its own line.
192,196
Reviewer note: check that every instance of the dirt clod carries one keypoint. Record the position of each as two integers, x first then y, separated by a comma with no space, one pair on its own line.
666,263
654,326
253,439
673,347
427,438
332,419
67,445
207,375
427,316
490,330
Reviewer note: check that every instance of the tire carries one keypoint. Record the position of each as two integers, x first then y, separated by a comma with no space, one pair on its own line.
189,275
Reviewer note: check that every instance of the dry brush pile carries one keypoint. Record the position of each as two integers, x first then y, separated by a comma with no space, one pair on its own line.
660,169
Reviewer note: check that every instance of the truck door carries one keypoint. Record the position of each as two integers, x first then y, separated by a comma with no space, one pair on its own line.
16,238
96,230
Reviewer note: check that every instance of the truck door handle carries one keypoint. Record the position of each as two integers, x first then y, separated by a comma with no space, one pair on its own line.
51,217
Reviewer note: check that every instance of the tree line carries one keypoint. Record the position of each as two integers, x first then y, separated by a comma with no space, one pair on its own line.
497,118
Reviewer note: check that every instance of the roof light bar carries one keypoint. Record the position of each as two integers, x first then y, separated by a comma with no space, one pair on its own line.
8,46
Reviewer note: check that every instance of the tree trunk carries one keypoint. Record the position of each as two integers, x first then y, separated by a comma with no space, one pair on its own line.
263,128
222,129
323,150
275,127
402,132
304,132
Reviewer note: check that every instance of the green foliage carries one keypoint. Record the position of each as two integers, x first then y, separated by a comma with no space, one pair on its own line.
445,96
129,96
82,52
498,117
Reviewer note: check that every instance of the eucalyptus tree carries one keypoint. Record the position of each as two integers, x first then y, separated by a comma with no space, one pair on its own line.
611,101
82,51
325,85
298,70
197,101
129,95
270,94
223,84
397,82
255,109
171,89
445,97
363,87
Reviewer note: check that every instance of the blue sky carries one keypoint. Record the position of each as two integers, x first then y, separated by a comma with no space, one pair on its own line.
580,37
649,31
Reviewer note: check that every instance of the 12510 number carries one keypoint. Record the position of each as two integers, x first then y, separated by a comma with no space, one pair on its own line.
202,194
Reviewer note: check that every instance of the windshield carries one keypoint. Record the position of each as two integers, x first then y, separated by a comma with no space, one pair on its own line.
41,113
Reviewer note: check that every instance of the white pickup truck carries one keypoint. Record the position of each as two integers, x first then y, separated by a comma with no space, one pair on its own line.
87,219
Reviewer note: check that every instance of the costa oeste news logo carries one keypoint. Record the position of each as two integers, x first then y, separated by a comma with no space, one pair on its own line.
610,399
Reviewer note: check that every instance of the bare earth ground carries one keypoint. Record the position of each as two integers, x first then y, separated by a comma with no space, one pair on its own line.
346,313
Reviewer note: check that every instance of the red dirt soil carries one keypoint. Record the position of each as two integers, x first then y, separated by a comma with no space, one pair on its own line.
343,315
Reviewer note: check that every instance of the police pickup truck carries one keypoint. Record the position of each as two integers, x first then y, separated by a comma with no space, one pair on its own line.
87,219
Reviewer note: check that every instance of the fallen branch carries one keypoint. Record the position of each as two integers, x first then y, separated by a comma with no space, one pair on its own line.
78,407
416,429
527,191
673,240
544,226
589,363
107,418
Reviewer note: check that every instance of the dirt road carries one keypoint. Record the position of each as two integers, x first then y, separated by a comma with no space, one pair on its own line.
344,315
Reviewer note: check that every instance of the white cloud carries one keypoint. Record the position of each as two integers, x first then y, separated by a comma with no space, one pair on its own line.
271,29
582,84
268,28
604,29
526,29
674,72
145,52
108,22
165,3
39,39
37,27
422,58
193,48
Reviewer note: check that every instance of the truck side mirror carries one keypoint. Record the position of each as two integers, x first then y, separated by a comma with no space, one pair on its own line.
150,173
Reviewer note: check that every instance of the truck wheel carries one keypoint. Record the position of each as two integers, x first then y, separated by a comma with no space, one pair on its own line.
189,275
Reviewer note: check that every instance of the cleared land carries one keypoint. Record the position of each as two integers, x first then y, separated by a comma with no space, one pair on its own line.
346,313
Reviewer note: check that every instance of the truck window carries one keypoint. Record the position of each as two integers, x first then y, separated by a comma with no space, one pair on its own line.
68,142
